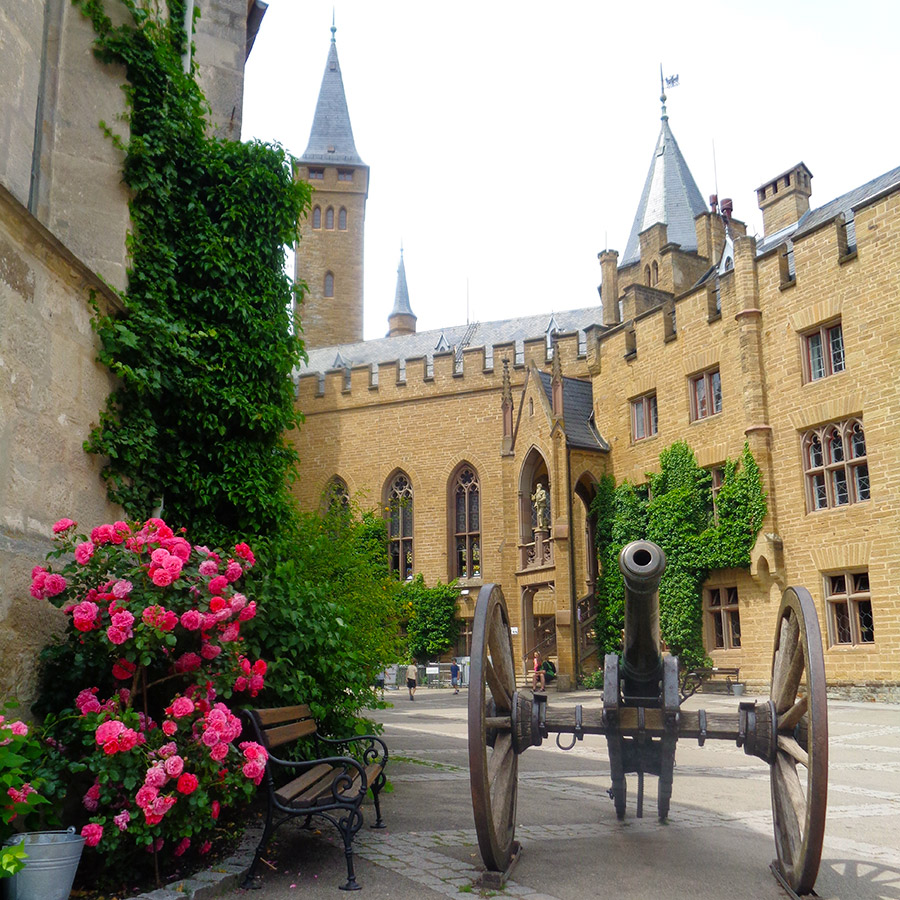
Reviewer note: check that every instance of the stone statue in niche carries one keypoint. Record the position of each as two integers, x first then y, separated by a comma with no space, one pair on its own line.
542,507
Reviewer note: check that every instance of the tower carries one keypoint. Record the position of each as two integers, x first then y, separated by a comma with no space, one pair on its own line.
401,320
330,252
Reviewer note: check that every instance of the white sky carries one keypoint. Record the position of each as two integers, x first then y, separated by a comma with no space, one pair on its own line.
508,142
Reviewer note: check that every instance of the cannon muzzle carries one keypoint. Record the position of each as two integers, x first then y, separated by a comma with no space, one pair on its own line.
642,564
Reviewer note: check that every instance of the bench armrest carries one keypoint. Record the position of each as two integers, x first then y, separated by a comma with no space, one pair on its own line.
370,743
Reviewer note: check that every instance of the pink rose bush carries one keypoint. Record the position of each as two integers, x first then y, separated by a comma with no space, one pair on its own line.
154,735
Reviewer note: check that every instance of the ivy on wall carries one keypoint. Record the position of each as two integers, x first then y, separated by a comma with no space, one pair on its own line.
205,349
432,623
676,512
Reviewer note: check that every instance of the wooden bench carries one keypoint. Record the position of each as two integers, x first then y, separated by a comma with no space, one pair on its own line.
333,786
709,679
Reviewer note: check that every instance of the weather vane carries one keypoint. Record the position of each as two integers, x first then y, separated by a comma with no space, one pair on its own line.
664,82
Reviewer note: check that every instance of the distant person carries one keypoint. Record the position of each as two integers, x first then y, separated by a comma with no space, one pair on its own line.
454,676
412,676
537,674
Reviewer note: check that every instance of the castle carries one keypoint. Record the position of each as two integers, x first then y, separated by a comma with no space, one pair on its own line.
703,334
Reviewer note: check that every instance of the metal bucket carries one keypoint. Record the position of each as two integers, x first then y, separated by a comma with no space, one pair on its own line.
49,871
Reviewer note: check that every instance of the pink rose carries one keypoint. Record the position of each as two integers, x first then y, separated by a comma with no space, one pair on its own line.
122,819
254,770
63,525
83,553
108,731
169,728
191,620
219,752
92,834
248,612
168,750
182,707
87,702
188,662
128,740
91,798
210,651
122,589
123,669
214,809
155,776
145,796
174,766
208,567
19,729
231,632
218,584
55,584
233,571
187,783
182,847
161,578
117,636
245,553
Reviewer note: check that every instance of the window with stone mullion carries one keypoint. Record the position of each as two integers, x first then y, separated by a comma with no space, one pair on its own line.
467,525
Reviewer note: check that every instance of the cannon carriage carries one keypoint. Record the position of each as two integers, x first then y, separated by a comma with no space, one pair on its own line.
642,721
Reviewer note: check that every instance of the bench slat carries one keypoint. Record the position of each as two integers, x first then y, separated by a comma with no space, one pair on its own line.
289,793
283,734
282,714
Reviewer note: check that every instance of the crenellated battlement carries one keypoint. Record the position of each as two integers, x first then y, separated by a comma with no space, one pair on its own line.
474,369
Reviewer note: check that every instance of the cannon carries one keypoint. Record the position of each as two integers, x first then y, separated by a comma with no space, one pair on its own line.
642,720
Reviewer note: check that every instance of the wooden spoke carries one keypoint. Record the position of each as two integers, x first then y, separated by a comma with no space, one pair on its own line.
788,720
789,746
493,761
499,690
798,808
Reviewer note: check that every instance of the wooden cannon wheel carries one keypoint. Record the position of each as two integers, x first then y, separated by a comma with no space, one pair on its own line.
799,772
493,761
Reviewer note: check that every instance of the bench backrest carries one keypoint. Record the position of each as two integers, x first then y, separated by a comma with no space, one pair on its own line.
283,724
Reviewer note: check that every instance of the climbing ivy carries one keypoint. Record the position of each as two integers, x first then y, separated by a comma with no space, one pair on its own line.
204,348
430,613
676,513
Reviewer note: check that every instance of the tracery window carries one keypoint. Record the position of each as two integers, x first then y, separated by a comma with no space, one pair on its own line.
400,526
834,460
466,524
337,495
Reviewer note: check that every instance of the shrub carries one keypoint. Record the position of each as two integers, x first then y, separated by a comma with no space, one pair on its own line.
149,739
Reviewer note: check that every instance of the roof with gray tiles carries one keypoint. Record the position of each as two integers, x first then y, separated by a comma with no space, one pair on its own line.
578,412
670,196
425,343
331,137
401,296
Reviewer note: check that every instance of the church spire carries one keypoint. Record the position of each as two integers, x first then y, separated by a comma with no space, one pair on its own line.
401,320
670,195
331,137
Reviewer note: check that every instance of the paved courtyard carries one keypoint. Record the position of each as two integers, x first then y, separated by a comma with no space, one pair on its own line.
717,843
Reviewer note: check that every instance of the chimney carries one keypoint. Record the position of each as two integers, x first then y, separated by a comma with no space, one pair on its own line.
609,278
785,199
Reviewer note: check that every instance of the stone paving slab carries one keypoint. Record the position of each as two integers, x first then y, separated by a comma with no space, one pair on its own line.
717,844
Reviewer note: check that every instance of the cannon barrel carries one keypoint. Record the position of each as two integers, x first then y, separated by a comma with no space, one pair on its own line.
642,564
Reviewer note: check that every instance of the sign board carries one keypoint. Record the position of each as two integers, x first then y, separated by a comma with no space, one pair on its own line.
514,629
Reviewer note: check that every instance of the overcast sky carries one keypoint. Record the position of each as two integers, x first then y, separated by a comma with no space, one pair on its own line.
508,142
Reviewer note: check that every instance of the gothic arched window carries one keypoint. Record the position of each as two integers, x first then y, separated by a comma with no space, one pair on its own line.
342,219
317,217
329,218
329,284
337,494
399,511
466,506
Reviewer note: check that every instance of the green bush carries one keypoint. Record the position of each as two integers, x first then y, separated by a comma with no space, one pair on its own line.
432,623
328,621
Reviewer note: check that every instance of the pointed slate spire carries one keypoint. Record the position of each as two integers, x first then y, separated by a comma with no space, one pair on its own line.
401,320
331,137
670,196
